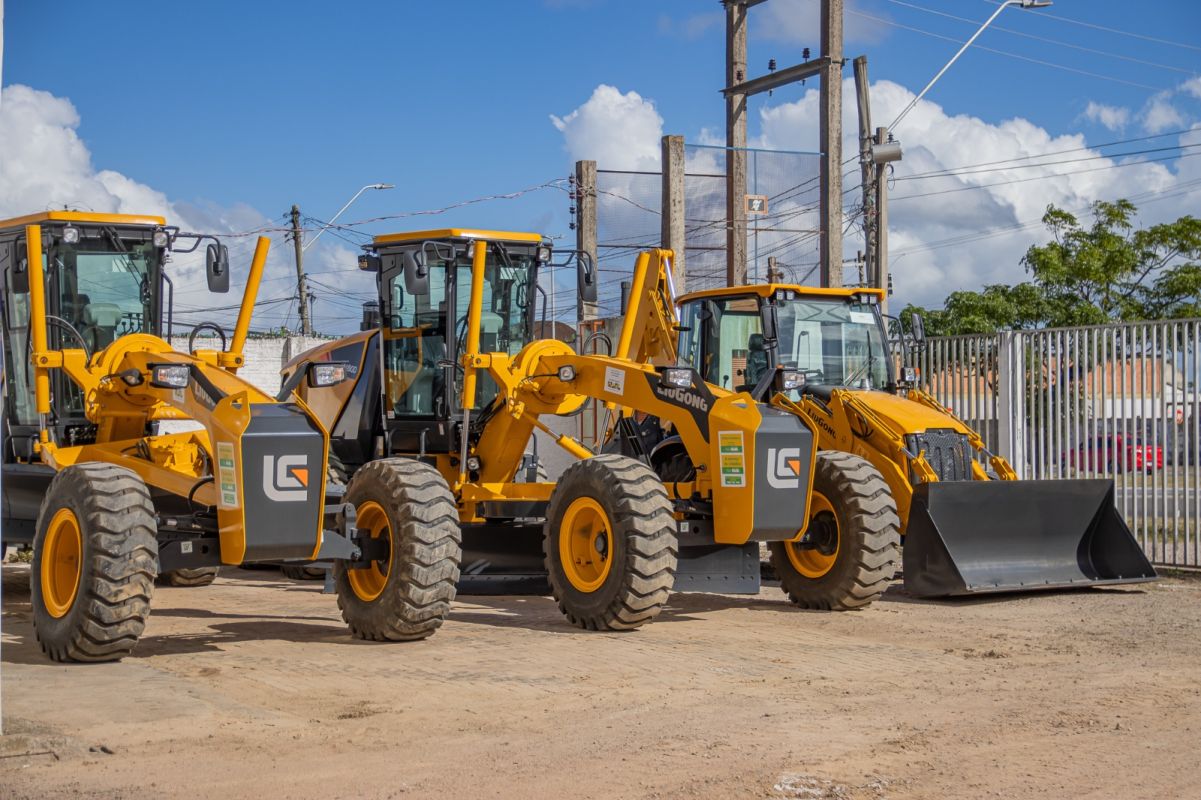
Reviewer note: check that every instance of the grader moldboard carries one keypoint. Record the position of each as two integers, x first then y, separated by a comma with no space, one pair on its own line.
969,525
107,501
450,385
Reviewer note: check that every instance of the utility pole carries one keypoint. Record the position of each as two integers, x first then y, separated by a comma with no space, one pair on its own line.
867,169
882,156
736,142
673,233
585,232
830,124
306,327
739,88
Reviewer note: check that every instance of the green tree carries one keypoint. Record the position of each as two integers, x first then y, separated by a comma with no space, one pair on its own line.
1110,271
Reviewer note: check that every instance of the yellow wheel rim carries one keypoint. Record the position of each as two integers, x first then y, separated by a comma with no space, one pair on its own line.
369,583
62,562
814,562
586,544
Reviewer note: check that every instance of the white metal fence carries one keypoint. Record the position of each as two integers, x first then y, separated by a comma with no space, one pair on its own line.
1114,401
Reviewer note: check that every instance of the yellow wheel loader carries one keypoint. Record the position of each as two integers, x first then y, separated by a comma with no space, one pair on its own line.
436,430
969,525
107,501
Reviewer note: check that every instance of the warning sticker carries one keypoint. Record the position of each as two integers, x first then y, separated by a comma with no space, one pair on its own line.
227,476
862,318
733,459
615,381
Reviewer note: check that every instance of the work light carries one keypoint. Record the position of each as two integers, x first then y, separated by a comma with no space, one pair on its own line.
170,376
679,377
325,375
70,235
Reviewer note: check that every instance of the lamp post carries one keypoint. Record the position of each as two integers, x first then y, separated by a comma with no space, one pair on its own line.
334,219
966,45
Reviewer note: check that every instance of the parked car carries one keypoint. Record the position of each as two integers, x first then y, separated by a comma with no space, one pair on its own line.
1115,453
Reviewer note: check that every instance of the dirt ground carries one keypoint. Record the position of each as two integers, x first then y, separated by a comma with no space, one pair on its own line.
253,688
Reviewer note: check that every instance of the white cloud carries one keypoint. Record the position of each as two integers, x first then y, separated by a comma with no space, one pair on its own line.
45,165
1115,118
621,131
949,232
1192,86
1160,115
799,22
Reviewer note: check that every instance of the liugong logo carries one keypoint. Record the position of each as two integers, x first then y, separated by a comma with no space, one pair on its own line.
784,467
286,478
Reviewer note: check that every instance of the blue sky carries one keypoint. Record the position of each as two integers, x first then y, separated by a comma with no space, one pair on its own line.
272,103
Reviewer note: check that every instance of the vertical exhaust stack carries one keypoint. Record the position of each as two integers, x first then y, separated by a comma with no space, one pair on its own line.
979,537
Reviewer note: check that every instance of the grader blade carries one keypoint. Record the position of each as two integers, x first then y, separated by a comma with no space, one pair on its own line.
977,537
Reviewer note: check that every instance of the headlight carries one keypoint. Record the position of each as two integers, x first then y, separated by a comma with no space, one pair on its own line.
543,255
567,373
323,375
791,379
161,239
170,376
70,235
679,377
473,463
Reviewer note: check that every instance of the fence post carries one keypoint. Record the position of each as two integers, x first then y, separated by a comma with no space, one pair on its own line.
1011,397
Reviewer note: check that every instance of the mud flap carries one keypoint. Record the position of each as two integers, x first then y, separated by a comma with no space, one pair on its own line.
975,537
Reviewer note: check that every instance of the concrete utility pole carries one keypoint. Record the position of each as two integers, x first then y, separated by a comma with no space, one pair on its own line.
738,89
830,144
867,170
881,157
585,231
306,327
736,142
673,232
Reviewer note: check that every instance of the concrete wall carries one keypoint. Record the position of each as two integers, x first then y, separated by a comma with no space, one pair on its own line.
264,357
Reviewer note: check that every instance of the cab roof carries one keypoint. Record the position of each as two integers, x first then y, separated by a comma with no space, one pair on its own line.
459,233
83,217
768,289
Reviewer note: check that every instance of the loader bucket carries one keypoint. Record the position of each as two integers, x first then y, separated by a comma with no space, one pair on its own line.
976,537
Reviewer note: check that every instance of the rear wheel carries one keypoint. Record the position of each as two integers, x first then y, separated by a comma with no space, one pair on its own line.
610,544
406,593
302,573
95,559
201,576
850,550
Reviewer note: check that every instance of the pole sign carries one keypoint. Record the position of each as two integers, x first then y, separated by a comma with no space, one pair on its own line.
756,204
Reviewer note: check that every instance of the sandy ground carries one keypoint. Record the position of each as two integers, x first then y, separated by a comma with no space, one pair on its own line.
252,688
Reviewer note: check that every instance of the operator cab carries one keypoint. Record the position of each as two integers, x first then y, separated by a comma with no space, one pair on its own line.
425,289
834,337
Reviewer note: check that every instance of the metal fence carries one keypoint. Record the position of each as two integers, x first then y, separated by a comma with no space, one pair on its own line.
1114,401
628,218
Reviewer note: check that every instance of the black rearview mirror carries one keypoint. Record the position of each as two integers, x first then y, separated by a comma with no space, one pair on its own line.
917,327
417,280
585,274
216,266
19,272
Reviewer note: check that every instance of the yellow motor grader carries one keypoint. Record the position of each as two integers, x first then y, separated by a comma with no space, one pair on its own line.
969,525
450,385
107,501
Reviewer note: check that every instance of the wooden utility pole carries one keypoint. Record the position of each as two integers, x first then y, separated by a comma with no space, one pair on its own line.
585,231
306,326
736,143
673,231
831,144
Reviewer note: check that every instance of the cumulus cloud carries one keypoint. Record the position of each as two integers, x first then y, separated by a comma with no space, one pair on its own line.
1160,114
952,225
45,165
1115,118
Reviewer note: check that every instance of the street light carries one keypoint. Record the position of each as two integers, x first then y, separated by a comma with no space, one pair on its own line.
966,45
330,224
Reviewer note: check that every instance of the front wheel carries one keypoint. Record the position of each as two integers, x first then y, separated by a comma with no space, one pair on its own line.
200,576
95,555
610,544
406,592
850,549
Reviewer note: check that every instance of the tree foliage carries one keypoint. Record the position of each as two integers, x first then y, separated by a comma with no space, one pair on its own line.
1110,271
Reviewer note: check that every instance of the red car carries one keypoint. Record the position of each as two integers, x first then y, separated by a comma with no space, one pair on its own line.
1116,453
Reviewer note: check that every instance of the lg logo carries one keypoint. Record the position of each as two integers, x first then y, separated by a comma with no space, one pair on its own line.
286,478
784,467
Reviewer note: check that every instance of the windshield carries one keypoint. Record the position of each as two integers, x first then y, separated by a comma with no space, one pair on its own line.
423,329
836,341
106,289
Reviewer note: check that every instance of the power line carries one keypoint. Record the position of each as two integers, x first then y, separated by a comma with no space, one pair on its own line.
971,171
1094,26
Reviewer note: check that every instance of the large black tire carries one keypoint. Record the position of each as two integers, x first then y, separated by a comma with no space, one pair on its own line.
865,527
91,591
407,596
632,533
201,576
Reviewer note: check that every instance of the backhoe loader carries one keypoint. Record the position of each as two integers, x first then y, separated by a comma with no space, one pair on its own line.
969,525
107,501
450,386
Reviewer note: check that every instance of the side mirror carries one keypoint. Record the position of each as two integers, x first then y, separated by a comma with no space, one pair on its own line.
216,266
585,275
917,327
417,274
